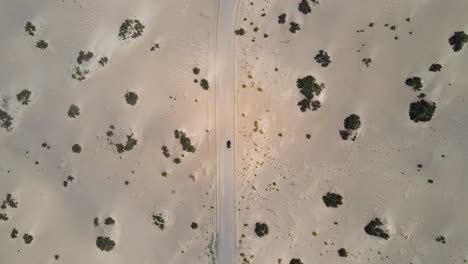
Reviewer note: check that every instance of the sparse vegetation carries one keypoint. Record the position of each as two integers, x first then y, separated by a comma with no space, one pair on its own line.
131,29
76,148
78,74
131,98
14,233
159,221
73,111
27,238
165,151
458,40
109,221
184,141
422,110
351,124
30,28
24,97
342,253
261,229
204,84
6,121
440,239
414,82
103,61
42,44
240,32
194,225
282,19
332,200
367,61
323,58
177,160
105,243
84,56
196,70
309,88
295,261
129,145
294,27
304,7
435,67
376,228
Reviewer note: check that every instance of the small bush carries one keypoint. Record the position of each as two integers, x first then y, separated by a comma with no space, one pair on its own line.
105,243
6,121
375,228
414,82
282,19
422,111
352,122
458,40
73,111
304,7
342,253
24,96
76,148
294,27
295,261
131,29
42,44
323,58
30,28
332,200
131,98
204,84
240,32
435,67
261,229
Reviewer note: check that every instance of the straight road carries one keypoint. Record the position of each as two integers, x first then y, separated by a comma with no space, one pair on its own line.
225,69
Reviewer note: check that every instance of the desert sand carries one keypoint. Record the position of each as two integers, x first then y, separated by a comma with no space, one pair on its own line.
411,176
348,124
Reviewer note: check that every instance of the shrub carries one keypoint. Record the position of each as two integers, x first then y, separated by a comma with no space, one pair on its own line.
352,122
261,229
42,44
105,243
6,121
103,61
422,110
131,28
342,253
109,221
239,32
375,228
76,148
204,84
131,98
458,40
414,82
73,111
24,96
323,58
295,261
282,19
27,238
435,67
332,200
304,7
30,28
294,27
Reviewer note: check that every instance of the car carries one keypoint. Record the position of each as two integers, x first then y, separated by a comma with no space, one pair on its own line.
228,143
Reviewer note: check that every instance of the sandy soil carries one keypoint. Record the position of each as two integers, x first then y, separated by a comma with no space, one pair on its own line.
37,154
282,174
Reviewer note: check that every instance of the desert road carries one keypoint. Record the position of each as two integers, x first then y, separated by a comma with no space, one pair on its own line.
226,211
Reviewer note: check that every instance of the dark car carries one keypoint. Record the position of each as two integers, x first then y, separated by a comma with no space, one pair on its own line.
228,143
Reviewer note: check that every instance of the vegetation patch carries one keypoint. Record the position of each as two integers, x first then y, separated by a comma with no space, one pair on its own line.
129,145
196,70
6,121
239,32
309,88
458,40
422,110
261,229
282,19
204,84
105,243
159,221
76,148
351,124
440,239
109,221
84,56
332,200
131,29
14,233
131,98
184,141
194,225
342,253
103,61
376,228
323,58
42,44
295,261
79,74
165,151
304,7
73,111
414,82
28,238
30,28
294,27
435,67
24,97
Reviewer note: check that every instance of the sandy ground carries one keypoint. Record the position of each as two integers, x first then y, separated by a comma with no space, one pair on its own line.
282,175
129,186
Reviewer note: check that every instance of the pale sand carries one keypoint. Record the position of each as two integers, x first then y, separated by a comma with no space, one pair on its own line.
61,218
377,174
